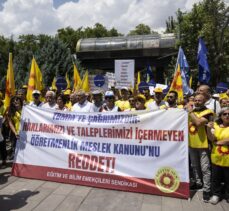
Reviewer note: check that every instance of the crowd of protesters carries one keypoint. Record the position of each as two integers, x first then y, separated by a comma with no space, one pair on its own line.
208,125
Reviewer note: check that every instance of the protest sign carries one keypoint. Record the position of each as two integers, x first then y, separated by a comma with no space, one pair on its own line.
124,73
133,151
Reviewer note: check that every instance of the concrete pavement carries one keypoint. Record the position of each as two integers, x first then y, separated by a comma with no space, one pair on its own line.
26,194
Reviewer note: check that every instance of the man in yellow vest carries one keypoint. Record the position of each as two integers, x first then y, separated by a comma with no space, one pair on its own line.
198,145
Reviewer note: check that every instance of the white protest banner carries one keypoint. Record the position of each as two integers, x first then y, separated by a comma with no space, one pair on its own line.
124,73
131,151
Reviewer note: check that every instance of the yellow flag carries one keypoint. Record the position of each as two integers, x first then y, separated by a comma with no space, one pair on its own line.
10,86
76,78
35,80
39,82
54,84
85,83
176,84
190,82
68,81
139,78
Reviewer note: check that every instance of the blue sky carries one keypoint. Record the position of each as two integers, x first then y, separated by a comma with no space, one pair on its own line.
47,16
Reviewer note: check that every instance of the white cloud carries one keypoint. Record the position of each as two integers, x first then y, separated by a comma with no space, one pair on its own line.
40,16
28,16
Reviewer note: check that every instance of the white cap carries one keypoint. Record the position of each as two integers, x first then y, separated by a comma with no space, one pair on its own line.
97,92
124,88
36,92
215,95
109,94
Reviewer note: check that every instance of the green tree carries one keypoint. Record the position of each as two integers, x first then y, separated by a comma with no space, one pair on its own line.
140,29
24,50
208,19
54,59
70,37
6,47
170,25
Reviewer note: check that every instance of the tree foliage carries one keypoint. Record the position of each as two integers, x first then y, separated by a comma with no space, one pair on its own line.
70,36
208,19
54,59
142,29
170,25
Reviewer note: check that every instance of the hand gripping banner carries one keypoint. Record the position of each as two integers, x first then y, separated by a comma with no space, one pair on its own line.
130,151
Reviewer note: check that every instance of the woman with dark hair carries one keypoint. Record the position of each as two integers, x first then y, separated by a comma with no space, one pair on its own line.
61,103
13,116
218,133
3,151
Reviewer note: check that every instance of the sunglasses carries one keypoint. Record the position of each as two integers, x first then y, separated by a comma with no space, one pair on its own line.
225,114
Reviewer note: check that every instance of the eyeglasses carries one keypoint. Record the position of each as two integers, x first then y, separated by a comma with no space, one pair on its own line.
170,97
225,114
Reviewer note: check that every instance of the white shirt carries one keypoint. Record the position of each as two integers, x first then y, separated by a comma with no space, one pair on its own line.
213,105
96,108
106,109
64,109
46,105
85,107
153,105
35,105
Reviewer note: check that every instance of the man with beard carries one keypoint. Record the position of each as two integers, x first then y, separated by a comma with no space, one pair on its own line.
172,101
146,92
198,145
50,97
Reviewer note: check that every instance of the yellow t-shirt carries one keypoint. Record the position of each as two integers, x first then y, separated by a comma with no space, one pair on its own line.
2,110
123,104
16,120
165,107
197,136
69,105
220,154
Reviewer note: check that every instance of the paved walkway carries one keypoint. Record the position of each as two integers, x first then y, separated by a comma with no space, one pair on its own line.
25,194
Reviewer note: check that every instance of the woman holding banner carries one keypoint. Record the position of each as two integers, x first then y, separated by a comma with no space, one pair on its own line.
218,133
13,116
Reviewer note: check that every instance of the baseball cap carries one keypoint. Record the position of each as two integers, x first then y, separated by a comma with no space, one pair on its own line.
109,94
36,92
140,97
158,90
67,92
124,88
97,92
